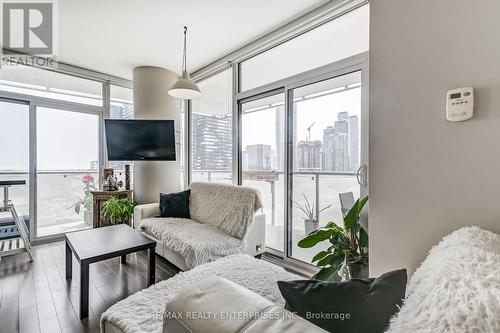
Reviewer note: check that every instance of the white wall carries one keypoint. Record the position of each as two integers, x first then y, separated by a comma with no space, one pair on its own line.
428,176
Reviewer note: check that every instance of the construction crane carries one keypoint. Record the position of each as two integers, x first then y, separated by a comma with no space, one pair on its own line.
309,131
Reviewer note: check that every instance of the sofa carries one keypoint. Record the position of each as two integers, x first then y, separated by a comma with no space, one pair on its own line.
455,289
223,221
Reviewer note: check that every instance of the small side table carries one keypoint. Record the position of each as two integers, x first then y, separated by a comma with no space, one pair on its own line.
90,246
98,198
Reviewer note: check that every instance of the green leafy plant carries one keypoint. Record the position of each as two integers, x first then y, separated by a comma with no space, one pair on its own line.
347,255
118,210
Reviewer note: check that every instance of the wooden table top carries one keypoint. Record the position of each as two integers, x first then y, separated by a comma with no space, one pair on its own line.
94,243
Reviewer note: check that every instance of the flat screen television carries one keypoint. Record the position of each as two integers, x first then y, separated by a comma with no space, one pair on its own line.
140,140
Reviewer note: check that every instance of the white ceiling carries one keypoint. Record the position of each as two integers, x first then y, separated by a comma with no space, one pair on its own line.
114,36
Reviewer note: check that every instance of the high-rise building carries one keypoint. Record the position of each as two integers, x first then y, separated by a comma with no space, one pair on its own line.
343,116
309,155
211,142
341,144
328,149
258,157
353,143
121,111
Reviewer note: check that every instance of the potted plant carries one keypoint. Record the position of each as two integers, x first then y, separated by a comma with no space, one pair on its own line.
347,255
85,203
118,210
311,219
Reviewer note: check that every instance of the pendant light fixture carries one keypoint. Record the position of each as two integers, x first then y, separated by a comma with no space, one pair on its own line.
185,88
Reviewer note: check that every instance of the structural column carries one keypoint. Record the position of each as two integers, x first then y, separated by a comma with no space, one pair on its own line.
151,101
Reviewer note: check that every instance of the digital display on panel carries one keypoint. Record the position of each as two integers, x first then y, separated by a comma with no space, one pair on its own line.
455,95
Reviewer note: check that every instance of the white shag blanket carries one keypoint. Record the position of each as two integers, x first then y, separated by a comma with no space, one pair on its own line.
143,311
457,287
227,207
198,243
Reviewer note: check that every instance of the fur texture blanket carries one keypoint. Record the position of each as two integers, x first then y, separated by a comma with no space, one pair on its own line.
456,289
229,208
198,243
143,311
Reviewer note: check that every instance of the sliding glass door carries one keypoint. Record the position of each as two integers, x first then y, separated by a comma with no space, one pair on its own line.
56,150
326,155
262,159
303,142
14,156
67,169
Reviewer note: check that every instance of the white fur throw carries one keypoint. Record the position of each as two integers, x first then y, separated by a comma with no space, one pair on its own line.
457,287
198,243
143,311
227,207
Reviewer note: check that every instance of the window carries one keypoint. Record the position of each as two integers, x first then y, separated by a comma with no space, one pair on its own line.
61,115
326,154
122,103
121,107
262,160
211,131
343,37
67,162
14,156
43,83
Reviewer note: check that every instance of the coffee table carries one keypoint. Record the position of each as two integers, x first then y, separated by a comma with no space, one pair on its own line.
99,244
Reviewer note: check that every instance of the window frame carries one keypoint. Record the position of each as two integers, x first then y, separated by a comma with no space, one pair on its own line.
36,101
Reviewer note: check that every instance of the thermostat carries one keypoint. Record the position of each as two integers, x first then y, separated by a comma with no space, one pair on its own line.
460,104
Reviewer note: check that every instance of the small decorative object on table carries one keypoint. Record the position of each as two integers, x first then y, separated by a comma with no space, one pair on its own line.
311,218
109,180
347,252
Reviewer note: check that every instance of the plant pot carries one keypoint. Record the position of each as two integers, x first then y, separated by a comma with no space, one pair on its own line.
310,226
87,217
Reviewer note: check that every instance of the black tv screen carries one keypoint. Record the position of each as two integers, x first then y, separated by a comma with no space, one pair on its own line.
140,140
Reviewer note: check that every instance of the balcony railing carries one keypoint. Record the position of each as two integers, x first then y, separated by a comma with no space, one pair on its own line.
57,191
274,177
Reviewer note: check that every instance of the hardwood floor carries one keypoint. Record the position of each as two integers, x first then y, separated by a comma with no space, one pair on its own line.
36,297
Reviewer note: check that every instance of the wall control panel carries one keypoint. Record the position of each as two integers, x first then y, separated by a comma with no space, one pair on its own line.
460,104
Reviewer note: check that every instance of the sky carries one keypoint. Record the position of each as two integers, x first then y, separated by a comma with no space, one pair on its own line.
260,126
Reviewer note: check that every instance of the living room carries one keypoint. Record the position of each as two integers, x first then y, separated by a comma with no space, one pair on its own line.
284,166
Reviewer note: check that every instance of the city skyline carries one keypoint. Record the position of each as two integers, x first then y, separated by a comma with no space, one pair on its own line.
338,151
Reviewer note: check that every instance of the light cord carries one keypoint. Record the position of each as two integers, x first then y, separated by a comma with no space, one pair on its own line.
184,61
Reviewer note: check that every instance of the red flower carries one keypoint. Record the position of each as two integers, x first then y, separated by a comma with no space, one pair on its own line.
88,178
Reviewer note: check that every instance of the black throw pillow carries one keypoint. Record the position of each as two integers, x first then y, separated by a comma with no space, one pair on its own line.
175,204
353,306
